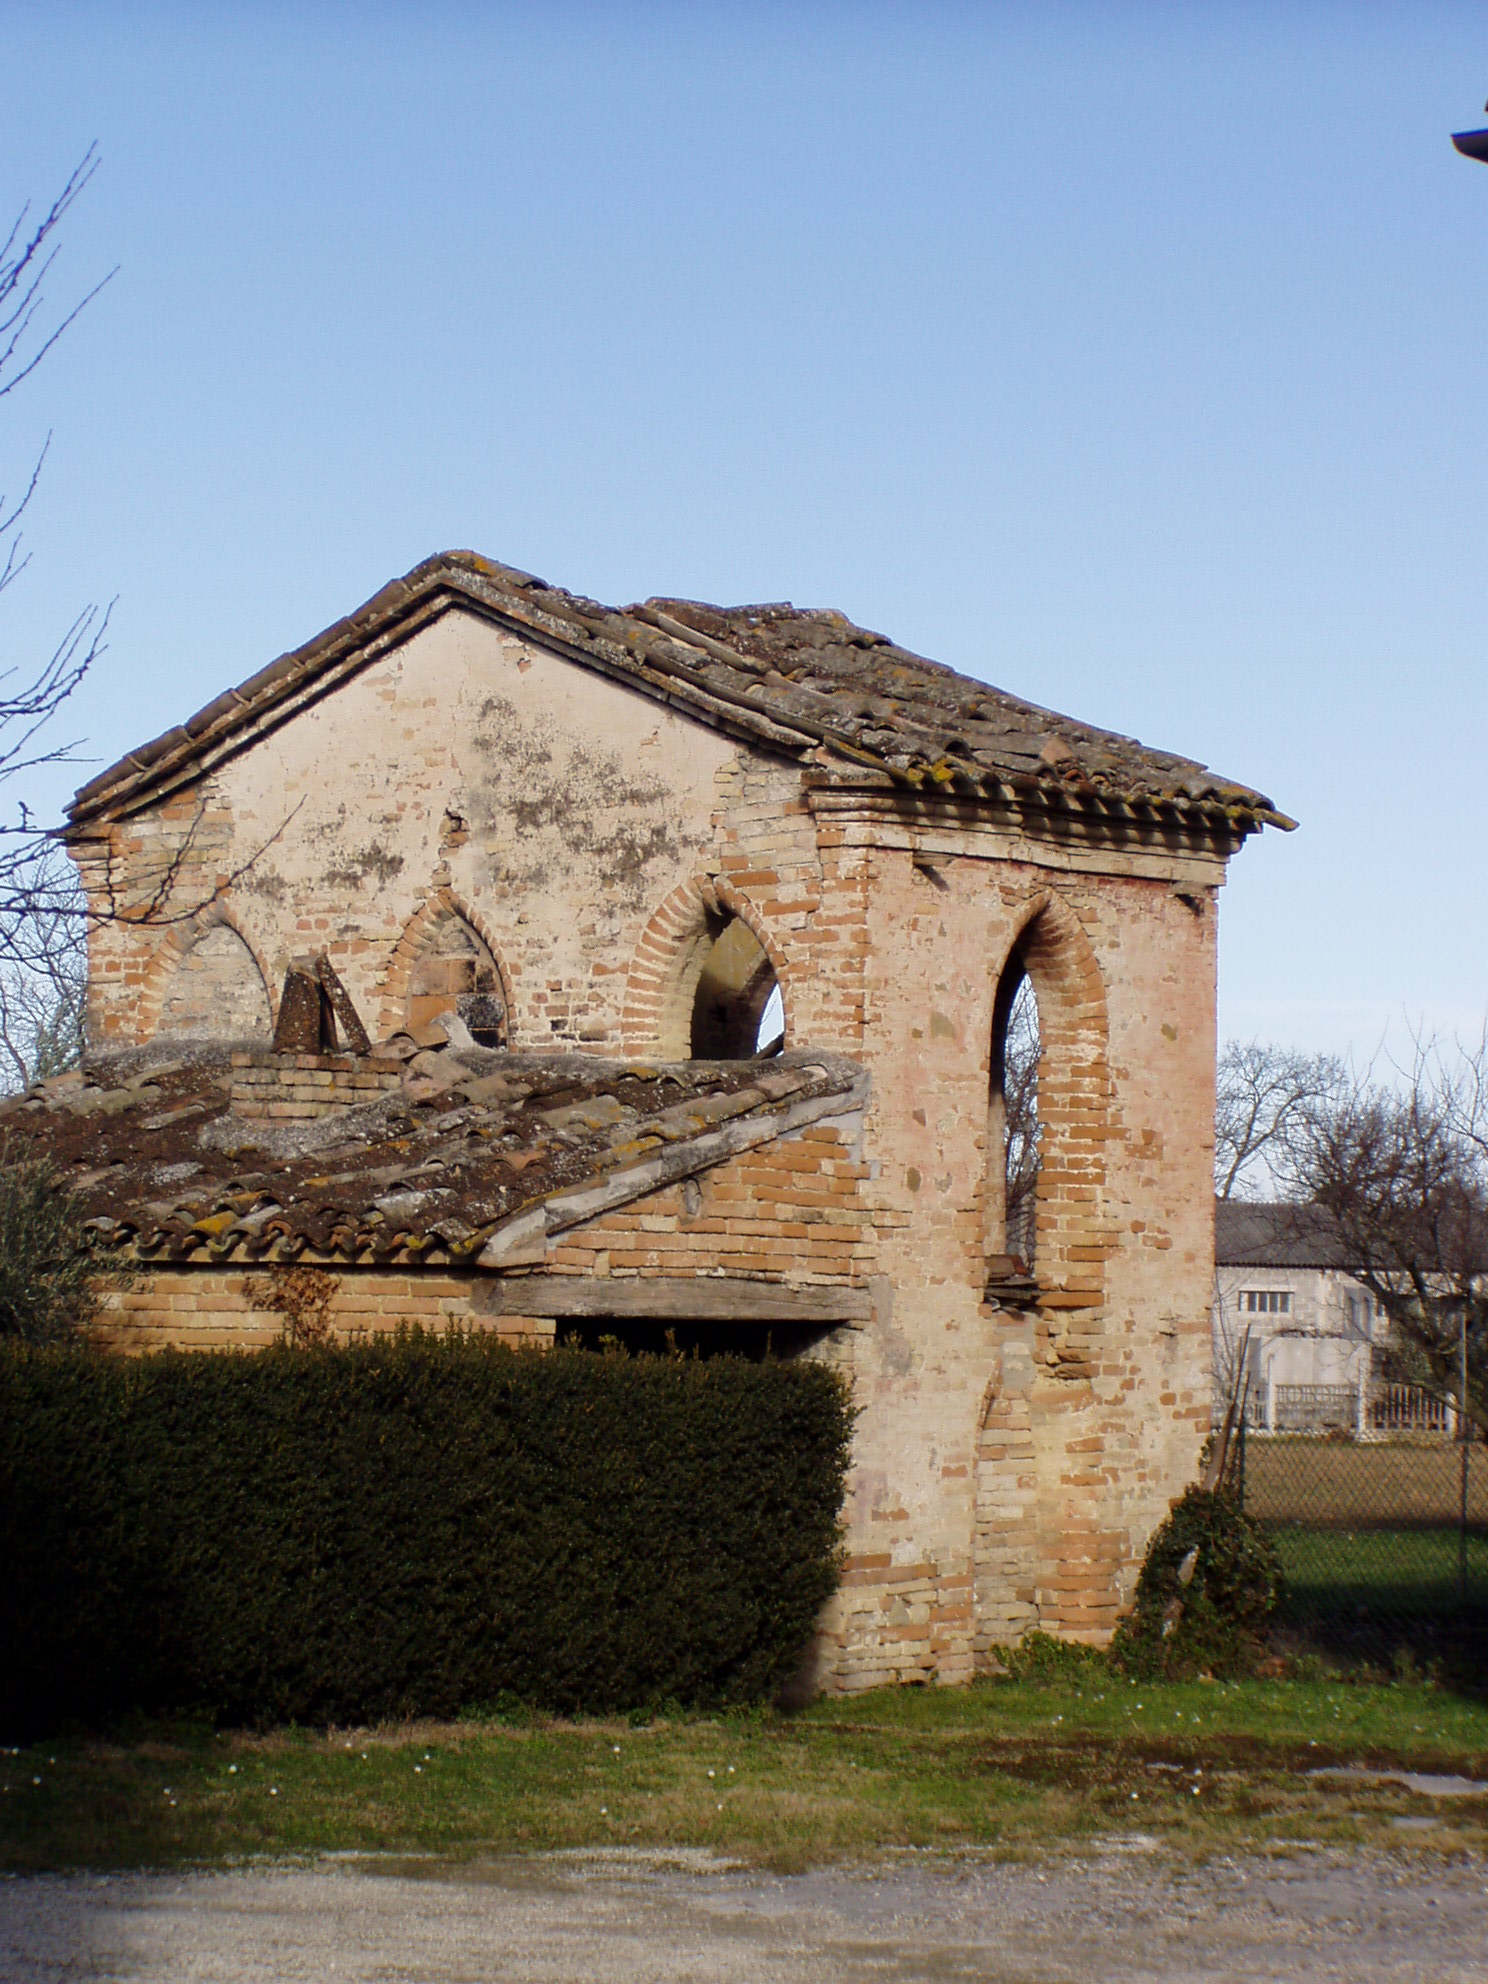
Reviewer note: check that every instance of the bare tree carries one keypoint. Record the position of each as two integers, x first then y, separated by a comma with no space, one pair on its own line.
1263,1094
43,998
1401,1171
44,917
1023,1129
42,965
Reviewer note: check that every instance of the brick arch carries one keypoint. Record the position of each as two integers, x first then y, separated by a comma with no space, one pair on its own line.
1075,1110
169,954
417,932
668,961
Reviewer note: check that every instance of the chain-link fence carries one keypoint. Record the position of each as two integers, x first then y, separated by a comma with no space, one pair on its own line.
1383,1539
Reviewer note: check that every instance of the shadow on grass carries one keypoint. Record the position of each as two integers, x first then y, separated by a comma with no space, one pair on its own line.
1398,1598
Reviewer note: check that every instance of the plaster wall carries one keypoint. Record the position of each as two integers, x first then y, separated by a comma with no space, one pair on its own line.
464,768
1325,1338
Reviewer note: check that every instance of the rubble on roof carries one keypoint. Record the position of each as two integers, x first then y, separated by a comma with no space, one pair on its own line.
457,1150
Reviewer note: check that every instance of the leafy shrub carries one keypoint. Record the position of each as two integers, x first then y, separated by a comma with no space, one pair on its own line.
1206,1594
1040,1657
47,1270
417,1527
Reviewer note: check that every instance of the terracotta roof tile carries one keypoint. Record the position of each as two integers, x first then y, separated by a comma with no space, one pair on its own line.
810,682
460,1144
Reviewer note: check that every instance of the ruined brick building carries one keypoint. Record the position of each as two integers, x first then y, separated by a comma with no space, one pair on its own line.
526,885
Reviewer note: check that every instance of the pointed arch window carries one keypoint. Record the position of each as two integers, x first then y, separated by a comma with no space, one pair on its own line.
1014,1132
738,1010
216,990
456,973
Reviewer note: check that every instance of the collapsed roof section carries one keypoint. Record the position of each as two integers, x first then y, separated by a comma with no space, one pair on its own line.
466,1156
806,683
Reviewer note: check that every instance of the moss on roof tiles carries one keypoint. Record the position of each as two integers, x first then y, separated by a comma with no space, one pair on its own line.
424,1174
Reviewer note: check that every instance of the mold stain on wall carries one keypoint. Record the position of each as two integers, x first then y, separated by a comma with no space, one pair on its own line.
562,798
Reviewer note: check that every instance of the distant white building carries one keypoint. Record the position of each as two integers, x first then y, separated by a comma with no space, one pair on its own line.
1288,1310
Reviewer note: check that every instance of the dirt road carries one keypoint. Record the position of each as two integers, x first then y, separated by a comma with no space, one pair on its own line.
1124,1913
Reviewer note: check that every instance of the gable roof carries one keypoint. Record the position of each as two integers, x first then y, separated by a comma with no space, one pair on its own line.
456,1156
1270,1234
803,681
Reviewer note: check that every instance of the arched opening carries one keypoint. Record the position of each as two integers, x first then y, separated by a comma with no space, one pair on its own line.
1014,1132
738,1010
1050,1125
216,990
707,980
456,973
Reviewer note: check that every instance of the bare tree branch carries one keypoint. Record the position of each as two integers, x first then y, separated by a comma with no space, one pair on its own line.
42,1000
41,930
1401,1171
156,909
25,263
1262,1095
14,563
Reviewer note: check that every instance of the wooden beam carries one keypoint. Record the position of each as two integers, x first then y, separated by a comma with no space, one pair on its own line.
673,1299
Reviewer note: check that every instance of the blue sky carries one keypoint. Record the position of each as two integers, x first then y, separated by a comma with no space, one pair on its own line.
1134,358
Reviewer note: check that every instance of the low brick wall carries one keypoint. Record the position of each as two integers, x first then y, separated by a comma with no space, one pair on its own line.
789,1213
791,1210
185,1307
291,1087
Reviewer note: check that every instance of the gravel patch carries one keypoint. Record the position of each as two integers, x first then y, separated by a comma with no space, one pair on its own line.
1125,1914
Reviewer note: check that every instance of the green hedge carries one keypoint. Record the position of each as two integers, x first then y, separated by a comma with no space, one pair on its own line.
411,1528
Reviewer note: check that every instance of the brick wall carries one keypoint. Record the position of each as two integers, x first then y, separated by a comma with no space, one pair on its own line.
1010,1463
291,1087
790,1211
190,1307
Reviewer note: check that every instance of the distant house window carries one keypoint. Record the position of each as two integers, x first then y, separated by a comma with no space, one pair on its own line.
1266,1301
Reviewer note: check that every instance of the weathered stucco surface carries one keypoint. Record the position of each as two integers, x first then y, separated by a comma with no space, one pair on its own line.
465,768
1011,1460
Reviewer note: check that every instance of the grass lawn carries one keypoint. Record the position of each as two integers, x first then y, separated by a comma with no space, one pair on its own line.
1338,1482
1367,1533
1014,1764
1399,1571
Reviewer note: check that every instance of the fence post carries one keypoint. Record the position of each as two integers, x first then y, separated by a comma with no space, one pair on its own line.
1240,1469
1464,1428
